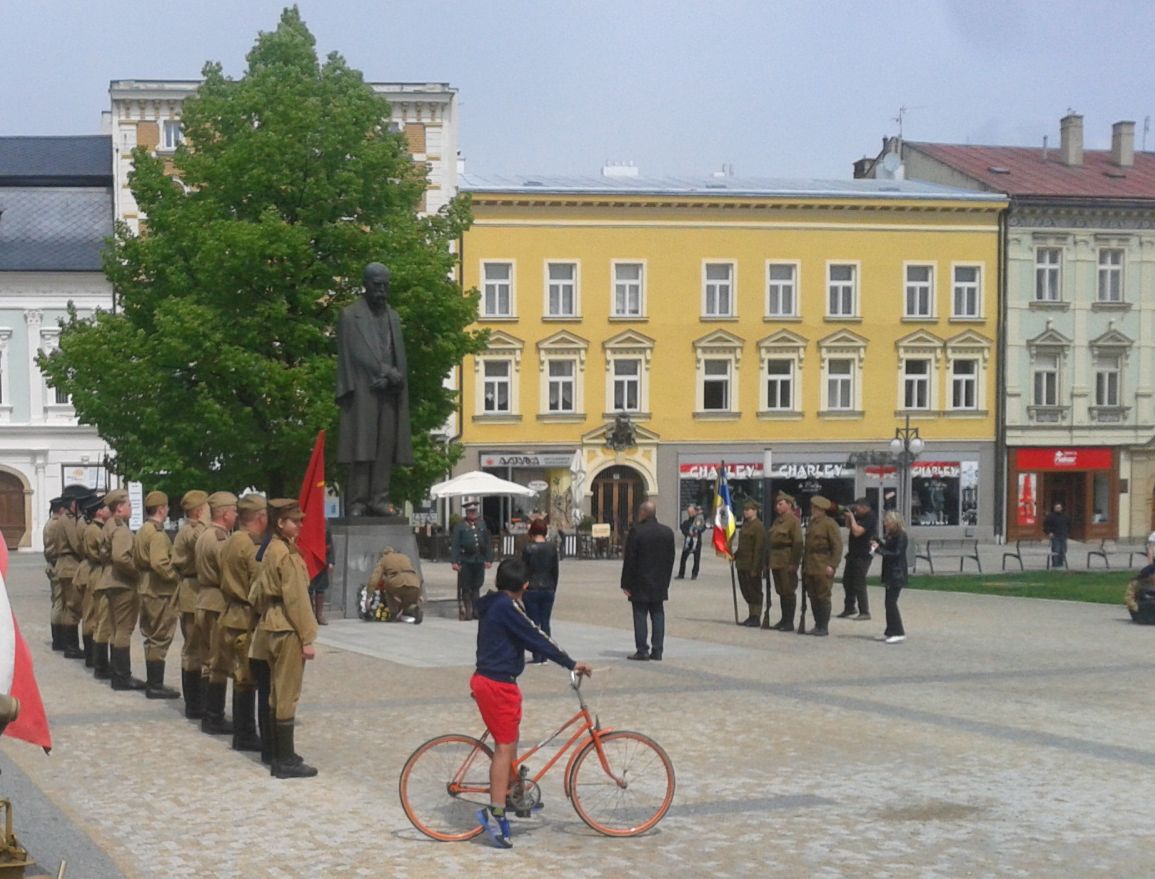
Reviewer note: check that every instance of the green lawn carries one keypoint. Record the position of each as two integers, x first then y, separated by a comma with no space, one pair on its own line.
1099,587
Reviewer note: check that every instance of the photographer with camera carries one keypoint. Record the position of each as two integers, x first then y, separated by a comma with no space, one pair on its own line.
862,524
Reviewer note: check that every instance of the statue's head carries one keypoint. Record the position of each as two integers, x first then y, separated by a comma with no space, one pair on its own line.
376,282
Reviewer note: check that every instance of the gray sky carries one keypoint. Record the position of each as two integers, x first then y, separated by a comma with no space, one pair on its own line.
789,88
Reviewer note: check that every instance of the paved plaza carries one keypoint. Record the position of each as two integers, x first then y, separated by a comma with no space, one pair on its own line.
1006,737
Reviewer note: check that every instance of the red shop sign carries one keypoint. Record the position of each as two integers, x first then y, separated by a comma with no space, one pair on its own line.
1064,459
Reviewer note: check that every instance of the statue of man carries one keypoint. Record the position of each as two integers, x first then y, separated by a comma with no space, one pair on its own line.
372,394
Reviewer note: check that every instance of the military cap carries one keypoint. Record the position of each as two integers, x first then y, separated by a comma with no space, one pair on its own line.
91,503
220,499
285,508
114,499
193,499
783,496
156,499
820,502
252,503
76,490
751,504
56,503
469,505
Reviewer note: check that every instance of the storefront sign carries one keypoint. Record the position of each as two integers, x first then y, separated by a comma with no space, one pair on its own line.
537,485
1065,459
547,459
927,469
753,470
738,470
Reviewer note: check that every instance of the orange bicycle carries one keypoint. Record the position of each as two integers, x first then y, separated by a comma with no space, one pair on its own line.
620,783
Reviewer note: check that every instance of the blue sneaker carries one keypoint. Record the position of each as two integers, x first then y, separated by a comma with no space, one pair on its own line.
497,828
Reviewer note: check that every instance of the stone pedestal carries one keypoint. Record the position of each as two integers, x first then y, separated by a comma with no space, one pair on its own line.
357,545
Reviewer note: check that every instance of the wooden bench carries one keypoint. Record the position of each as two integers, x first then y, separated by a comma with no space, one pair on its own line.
1108,548
1031,550
962,548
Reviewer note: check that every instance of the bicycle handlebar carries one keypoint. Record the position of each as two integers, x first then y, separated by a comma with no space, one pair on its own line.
575,680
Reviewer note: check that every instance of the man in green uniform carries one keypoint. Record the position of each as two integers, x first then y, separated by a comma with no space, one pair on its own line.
239,568
471,554
70,551
95,626
210,606
785,539
749,561
51,554
820,557
152,552
195,504
121,584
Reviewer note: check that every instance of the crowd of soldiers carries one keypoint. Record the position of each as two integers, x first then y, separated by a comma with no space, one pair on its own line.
777,553
234,581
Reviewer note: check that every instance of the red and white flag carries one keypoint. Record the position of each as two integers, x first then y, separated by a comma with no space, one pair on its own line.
17,677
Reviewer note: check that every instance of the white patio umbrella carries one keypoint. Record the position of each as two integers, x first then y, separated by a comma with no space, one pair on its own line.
477,483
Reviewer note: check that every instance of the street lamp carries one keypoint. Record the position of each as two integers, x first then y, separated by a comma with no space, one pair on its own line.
906,446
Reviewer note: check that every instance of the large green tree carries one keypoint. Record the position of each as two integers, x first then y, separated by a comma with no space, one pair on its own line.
217,366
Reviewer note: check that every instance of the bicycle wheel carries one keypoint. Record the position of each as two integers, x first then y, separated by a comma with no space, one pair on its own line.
633,795
443,783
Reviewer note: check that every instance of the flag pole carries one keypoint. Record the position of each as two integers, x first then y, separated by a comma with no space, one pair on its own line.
734,589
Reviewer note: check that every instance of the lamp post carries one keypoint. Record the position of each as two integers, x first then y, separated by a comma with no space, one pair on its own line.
907,445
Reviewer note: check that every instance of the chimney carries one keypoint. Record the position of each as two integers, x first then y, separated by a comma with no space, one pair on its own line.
1123,144
1071,139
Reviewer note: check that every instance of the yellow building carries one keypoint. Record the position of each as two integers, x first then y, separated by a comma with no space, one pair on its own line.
727,317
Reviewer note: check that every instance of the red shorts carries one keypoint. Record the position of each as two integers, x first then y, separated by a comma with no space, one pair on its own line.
500,706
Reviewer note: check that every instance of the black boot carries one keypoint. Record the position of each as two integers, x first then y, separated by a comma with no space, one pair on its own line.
821,621
786,624
194,706
245,736
264,718
72,649
287,763
57,638
122,678
101,666
89,654
213,722
156,688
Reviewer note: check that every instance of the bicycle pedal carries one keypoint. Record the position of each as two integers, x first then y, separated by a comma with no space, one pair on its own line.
522,813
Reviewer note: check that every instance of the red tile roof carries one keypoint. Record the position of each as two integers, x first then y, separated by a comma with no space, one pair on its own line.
1027,174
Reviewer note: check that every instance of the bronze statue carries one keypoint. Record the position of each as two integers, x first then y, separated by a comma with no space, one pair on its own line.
373,397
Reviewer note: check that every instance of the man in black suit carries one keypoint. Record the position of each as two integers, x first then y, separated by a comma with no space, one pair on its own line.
647,564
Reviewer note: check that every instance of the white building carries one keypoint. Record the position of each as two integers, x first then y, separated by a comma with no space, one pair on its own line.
55,214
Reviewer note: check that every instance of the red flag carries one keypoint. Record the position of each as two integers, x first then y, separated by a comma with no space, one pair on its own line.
311,539
17,677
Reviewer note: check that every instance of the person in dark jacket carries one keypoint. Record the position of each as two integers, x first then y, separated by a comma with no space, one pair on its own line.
893,553
1057,526
504,633
647,565
541,561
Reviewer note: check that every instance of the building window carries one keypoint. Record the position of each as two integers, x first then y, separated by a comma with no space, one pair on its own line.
840,384
561,289
497,293
1046,380
627,374
1111,274
919,300
916,384
716,385
842,287
1048,262
780,385
498,382
966,299
718,290
1107,373
60,397
562,385
964,384
171,135
781,290
628,289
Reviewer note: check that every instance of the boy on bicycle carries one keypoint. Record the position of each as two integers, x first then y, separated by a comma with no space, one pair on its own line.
504,633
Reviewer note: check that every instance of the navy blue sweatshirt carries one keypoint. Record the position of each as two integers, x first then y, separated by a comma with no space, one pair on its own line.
504,633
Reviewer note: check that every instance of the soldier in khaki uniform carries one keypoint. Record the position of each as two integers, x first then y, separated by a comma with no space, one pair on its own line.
121,586
210,606
239,568
51,554
152,552
195,504
749,561
69,553
281,595
80,578
785,546
820,557
95,637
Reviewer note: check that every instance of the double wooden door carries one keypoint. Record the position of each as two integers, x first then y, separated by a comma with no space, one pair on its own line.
617,492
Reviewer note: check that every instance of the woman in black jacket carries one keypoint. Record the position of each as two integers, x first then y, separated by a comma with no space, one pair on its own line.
893,553
540,557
